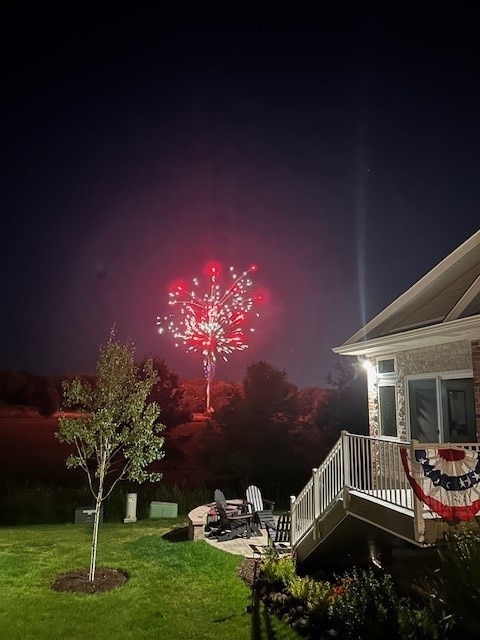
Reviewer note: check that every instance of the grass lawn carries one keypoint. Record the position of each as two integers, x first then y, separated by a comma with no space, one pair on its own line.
177,588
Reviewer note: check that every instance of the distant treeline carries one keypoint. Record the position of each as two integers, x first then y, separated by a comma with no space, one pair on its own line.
264,431
343,402
27,389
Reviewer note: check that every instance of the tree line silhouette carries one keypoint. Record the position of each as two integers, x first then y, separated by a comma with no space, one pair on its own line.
264,430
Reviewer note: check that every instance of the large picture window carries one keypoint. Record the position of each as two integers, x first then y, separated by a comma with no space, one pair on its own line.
441,409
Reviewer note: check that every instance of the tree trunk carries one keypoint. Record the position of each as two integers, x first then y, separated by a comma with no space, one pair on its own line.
96,522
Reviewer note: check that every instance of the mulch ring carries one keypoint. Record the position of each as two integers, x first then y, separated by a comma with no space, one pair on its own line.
78,582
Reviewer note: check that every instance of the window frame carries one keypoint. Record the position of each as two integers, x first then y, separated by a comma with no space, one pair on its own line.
387,380
385,359
439,377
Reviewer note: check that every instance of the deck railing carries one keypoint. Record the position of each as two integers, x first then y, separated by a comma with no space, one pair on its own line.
363,464
375,469
323,488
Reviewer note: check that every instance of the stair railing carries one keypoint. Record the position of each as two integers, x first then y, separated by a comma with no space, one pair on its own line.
320,492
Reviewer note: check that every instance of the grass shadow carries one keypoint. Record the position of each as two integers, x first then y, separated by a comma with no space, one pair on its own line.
180,534
258,612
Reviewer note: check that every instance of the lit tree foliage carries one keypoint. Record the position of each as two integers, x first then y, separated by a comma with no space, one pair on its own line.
115,431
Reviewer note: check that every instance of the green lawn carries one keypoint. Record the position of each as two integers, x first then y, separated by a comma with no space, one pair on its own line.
177,589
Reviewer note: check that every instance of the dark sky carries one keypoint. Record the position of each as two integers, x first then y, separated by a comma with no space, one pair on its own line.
338,151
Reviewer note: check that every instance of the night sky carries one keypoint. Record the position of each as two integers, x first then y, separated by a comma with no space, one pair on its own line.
338,152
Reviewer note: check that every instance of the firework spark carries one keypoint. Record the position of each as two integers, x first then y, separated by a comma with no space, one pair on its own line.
213,323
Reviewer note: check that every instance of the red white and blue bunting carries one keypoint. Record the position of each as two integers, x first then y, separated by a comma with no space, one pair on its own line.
446,480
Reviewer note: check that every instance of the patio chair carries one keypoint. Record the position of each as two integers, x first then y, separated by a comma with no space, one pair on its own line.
279,536
231,507
232,525
261,516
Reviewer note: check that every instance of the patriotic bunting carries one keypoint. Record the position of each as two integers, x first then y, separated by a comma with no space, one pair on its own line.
446,480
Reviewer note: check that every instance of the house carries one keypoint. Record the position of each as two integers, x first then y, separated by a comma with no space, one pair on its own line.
422,355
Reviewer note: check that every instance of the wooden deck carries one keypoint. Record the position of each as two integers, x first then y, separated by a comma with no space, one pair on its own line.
360,496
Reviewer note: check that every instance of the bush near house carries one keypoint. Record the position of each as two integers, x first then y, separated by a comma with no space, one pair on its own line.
455,586
357,605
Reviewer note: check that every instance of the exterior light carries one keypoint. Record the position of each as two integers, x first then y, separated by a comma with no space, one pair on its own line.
366,363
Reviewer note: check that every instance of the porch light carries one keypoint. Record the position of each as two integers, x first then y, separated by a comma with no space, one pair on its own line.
366,363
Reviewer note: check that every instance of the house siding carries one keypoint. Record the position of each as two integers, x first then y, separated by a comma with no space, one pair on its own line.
454,356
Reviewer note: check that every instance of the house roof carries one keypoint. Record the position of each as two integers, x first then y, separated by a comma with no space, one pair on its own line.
442,306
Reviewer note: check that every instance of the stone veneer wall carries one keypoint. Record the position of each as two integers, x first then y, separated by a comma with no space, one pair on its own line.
454,356
372,390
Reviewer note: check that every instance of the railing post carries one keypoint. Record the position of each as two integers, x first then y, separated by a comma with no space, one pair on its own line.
316,493
316,500
346,469
293,520
418,521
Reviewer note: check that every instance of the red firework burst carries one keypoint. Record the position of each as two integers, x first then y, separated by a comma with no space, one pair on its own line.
215,322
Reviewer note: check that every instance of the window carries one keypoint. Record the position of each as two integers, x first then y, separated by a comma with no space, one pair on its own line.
386,366
441,409
387,401
458,409
422,396
387,411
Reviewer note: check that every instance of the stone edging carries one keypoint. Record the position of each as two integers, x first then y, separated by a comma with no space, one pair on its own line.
197,519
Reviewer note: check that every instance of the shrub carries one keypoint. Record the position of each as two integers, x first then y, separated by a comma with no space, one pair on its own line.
314,594
40,504
278,569
418,624
44,504
360,605
366,606
456,596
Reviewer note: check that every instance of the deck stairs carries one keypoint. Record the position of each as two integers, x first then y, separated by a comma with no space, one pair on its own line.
360,498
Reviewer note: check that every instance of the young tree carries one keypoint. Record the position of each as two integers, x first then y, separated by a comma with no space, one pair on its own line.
115,434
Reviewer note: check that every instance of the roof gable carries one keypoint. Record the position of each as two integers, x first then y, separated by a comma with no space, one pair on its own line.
450,291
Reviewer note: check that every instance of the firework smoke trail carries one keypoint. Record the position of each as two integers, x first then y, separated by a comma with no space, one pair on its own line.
212,323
